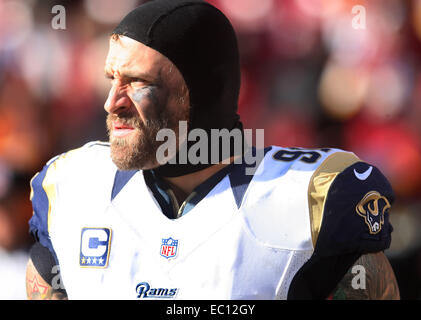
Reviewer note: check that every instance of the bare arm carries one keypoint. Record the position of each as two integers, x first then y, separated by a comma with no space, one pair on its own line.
37,288
371,278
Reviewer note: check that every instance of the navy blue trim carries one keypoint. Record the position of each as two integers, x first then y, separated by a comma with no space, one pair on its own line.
202,190
237,175
120,180
158,187
40,201
240,180
38,224
159,190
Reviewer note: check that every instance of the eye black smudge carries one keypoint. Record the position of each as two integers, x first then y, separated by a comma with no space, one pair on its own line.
140,94
150,93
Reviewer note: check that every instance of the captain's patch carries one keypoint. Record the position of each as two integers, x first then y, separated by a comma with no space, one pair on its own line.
95,247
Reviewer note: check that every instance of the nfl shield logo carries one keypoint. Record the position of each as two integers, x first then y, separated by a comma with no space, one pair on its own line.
169,248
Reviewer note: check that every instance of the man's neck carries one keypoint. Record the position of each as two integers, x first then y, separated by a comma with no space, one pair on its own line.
183,186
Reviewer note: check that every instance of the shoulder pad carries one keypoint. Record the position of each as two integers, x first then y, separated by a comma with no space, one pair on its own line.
44,186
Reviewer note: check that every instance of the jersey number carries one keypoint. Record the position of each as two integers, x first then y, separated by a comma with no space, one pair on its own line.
307,156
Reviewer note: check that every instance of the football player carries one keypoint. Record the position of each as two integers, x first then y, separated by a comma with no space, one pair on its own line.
112,221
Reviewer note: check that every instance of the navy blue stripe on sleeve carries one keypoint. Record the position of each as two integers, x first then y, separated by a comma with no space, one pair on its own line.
38,224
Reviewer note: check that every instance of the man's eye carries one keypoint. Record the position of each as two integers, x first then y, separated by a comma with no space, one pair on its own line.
135,80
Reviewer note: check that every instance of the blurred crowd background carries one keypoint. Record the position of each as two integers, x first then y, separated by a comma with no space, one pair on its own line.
310,78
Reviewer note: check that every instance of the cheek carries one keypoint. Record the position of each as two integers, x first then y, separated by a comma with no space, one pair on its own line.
149,100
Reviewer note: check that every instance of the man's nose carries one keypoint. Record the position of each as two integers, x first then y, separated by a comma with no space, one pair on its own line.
117,100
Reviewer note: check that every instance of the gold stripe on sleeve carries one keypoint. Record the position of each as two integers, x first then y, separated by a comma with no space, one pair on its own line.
319,186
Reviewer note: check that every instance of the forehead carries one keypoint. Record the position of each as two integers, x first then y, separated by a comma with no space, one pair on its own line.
126,55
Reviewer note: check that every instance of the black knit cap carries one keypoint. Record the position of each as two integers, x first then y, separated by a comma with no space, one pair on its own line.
200,41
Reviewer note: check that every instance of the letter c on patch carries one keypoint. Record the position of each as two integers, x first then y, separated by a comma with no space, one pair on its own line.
94,242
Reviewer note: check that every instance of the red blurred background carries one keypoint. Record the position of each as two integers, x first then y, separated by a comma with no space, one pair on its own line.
309,78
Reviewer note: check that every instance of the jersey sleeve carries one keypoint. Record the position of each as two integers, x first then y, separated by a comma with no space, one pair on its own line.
43,198
356,213
350,217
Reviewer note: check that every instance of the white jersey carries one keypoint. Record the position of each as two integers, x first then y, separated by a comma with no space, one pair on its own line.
112,240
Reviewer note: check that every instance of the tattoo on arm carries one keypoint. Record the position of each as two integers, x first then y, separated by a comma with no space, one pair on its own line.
371,278
37,288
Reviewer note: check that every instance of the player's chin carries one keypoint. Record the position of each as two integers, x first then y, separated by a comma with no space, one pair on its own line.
127,155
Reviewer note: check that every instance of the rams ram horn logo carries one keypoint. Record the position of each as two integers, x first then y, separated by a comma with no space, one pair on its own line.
372,208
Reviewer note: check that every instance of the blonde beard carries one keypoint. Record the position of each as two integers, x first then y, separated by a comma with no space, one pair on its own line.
138,150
